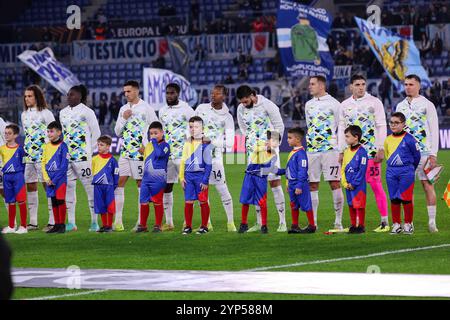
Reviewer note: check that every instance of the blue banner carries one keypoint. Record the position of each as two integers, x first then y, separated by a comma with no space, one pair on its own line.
302,34
398,55
45,64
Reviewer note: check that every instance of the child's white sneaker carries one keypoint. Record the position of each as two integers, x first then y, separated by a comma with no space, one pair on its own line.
8,230
21,230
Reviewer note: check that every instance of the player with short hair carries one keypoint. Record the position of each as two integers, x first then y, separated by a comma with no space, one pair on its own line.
175,120
12,156
367,112
402,157
35,119
106,178
256,115
156,157
80,131
219,128
297,182
354,167
422,123
322,119
195,169
55,164
132,126
263,161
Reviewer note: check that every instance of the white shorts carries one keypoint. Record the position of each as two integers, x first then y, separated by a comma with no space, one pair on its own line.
131,168
173,170
33,172
326,163
80,170
217,173
419,171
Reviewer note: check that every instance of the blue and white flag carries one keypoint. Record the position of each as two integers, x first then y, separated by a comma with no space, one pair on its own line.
155,82
45,64
302,40
398,55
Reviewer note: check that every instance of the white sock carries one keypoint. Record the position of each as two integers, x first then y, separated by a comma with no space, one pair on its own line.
139,207
119,196
89,188
71,200
32,200
278,196
227,201
338,201
51,218
431,214
315,204
168,207
258,214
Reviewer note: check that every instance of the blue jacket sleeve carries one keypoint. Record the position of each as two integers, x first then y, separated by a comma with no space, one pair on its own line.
115,173
63,164
361,173
207,161
158,149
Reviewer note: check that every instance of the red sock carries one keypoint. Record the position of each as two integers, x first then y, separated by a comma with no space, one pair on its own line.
110,219
104,217
294,213
310,215
12,214
352,216
62,209
396,212
55,214
361,216
264,214
244,214
159,213
23,214
188,213
145,211
409,212
205,210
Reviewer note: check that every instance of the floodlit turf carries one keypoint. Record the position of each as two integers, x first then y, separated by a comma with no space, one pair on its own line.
220,250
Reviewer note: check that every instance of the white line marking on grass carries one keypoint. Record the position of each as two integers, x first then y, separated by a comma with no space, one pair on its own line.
66,295
385,253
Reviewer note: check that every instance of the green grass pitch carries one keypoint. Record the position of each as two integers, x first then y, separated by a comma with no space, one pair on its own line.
220,250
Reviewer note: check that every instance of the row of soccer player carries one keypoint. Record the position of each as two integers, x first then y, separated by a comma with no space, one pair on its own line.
326,121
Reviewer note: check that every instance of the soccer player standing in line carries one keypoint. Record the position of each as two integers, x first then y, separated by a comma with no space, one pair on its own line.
257,115
175,120
156,157
422,123
322,119
195,169
367,112
81,131
106,178
403,156
12,155
354,167
54,169
218,126
132,126
35,119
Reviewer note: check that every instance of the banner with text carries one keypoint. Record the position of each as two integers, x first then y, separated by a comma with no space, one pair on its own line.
9,52
44,63
302,40
155,82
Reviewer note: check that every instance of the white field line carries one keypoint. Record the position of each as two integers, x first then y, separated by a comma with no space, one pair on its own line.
378,254
66,295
